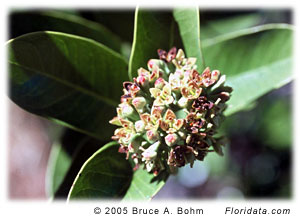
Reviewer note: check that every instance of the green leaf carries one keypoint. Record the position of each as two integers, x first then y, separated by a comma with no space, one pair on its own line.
275,126
120,22
255,61
144,186
189,27
80,147
32,21
106,174
70,79
223,26
216,164
152,30
58,164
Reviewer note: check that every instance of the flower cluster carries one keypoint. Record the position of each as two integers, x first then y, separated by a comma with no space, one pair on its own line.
169,115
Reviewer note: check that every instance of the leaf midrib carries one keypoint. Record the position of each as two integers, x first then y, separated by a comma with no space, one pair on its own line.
244,32
250,72
258,68
68,84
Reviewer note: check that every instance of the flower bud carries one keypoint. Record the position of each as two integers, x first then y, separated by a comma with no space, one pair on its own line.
126,111
224,96
151,152
183,102
135,143
115,121
160,65
152,135
139,104
149,166
209,125
159,83
215,74
180,55
171,139
142,81
152,63
139,125
191,61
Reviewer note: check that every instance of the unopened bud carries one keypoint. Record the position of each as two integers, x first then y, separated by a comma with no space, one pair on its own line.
182,102
151,152
139,104
135,143
152,63
180,54
149,166
139,125
152,135
115,121
224,96
126,111
142,81
171,139
159,83
209,125
215,74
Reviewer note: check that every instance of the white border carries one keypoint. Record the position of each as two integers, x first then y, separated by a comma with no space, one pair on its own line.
212,208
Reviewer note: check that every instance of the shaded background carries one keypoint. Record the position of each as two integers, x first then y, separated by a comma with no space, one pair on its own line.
257,164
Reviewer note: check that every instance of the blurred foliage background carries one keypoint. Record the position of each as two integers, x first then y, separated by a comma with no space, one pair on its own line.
256,164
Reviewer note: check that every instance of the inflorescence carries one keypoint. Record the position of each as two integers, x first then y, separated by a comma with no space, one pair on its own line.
169,114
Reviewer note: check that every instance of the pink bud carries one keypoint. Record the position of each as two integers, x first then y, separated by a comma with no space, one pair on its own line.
159,83
141,80
150,153
171,139
126,109
215,75
150,64
152,135
139,103
139,125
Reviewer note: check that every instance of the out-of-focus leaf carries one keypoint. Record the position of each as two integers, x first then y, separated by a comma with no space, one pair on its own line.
276,124
120,22
217,165
153,30
255,61
189,27
144,186
106,174
70,79
222,26
47,20
58,164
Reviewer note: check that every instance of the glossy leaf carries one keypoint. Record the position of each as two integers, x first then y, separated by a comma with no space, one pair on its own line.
153,30
27,22
77,147
58,164
189,27
70,79
106,174
144,186
215,28
85,148
255,61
